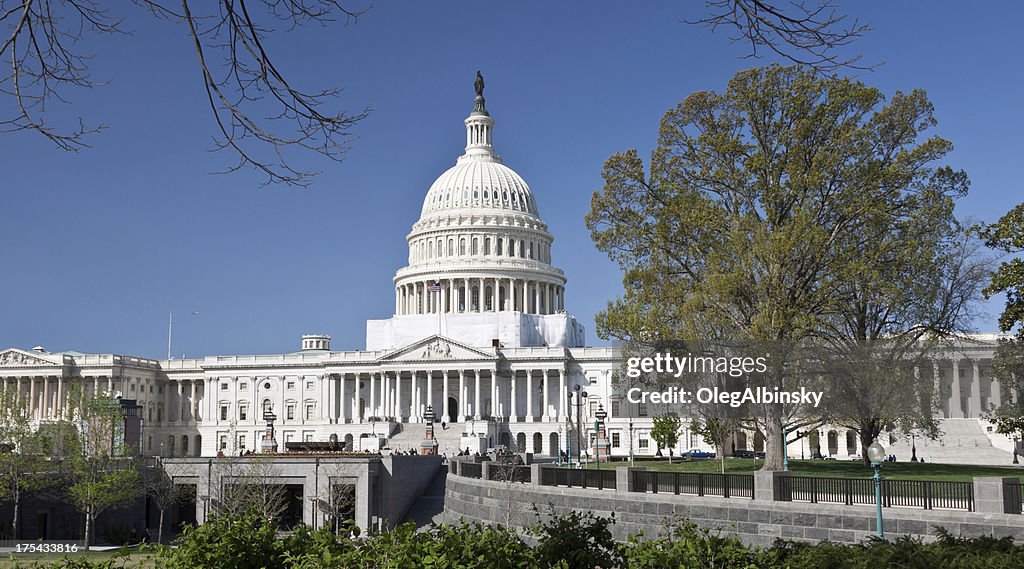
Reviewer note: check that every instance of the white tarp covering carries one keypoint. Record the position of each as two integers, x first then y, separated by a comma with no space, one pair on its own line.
512,329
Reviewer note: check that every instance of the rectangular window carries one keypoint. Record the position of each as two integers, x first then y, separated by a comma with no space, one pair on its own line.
291,385
642,443
223,442
288,437
615,440
290,412
243,386
223,412
131,387
309,412
309,385
241,442
593,407
642,409
243,412
616,409
224,386
308,437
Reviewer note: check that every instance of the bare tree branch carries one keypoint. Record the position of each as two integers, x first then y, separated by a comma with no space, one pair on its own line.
259,114
806,33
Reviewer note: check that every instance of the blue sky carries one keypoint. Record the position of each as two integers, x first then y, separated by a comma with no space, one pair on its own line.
101,245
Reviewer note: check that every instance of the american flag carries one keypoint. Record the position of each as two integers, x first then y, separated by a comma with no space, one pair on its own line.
434,287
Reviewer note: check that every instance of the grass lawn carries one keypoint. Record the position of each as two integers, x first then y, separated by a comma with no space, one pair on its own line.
834,468
129,558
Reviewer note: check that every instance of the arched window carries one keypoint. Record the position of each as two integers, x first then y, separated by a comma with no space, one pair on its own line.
451,247
488,298
497,246
531,249
476,246
268,406
462,246
487,246
522,249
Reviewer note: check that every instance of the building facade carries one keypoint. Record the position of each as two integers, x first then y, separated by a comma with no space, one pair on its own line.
480,335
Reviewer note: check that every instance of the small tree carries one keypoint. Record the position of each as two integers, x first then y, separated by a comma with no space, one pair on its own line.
666,431
164,493
102,473
23,462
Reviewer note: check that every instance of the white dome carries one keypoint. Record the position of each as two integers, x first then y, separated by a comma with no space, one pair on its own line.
479,184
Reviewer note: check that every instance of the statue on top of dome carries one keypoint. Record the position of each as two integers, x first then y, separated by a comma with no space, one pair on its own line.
479,84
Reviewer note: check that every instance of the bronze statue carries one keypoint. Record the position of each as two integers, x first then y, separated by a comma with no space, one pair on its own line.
479,84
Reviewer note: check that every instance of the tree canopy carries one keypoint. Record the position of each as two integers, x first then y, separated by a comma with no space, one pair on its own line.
760,206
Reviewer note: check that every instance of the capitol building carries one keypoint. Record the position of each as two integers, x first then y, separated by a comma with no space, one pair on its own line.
480,335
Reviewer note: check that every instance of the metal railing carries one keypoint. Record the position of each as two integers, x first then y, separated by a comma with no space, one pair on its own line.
509,473
695,483
925,494
471,469
578,478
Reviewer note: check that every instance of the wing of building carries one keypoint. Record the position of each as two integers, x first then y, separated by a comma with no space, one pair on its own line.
480,337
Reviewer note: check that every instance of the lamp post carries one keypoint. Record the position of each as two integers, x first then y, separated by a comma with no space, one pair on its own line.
580,396
631,441
1016,443
800,435
876,454
599,418
913,447
558,460
785,450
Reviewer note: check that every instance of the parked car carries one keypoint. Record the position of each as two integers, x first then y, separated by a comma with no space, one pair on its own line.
743,453
697,453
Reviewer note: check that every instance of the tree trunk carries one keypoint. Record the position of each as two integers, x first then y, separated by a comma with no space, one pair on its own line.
88,526
773,449
869,431
15,526
160,528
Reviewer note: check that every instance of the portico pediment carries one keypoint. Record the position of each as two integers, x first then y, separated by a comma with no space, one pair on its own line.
14,357
436,348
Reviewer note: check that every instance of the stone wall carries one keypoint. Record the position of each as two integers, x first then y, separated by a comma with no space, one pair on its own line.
755,522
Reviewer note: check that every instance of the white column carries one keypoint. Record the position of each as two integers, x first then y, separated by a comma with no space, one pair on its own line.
936,384
430,390
524,304
529,395
495,412
399,411
513,416
561,395
536,298
357,415
59,405
476,402
180,412
46,398
445,416
342,413
997,391
955,407
32,408
462,395
416,396
546,415
975,401
373,395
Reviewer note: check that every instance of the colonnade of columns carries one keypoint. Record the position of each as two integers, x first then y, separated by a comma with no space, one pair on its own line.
479,294
523,395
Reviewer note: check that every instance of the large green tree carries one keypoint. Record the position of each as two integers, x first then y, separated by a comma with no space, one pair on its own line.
23,450
756,210
1007,236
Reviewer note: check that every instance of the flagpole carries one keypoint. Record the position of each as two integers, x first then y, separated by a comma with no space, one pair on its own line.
170,327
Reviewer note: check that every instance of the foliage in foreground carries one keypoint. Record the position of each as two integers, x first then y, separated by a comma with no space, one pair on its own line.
572,541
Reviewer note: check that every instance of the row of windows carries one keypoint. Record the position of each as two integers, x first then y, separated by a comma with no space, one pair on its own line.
501,246
289,411
518,200
244,385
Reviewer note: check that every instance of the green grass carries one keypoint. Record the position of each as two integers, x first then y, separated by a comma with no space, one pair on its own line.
130,558
833,468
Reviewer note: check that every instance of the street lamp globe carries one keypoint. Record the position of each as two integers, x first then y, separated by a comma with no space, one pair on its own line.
876,453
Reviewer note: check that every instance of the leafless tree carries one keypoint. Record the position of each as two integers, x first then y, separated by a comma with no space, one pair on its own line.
804,32
259,114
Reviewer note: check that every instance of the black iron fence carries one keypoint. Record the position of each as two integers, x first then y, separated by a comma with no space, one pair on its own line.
695,483
926,494
578,478
471,469
508,473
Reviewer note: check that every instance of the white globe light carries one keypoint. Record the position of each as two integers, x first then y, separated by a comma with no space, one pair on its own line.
876,453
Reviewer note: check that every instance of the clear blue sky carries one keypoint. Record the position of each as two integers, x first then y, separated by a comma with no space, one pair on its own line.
99,246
